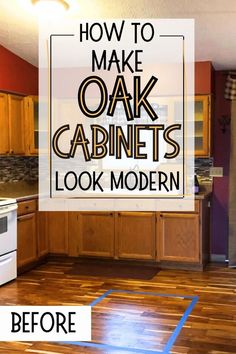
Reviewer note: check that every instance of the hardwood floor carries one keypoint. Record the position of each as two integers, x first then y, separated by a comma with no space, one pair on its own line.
134,320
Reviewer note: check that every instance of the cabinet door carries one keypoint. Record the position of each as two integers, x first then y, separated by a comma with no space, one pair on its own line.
135,235
179,237
57,229
96,233
26,239
42,234
202,126
32,124
4,125
16,124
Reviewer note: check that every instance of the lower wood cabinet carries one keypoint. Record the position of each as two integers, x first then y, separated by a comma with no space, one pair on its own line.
26,235
171,239
135,235
179,237
91,234
42,234
57,230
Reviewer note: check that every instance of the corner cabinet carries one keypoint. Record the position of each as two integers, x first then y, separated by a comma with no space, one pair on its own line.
203,126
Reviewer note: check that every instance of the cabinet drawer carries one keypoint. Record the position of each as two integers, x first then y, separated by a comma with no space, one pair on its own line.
26,207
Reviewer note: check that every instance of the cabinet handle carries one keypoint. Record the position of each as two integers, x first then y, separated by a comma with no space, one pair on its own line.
26,207
119,214
161,215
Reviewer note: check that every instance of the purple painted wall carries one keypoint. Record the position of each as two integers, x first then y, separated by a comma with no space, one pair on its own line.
221,154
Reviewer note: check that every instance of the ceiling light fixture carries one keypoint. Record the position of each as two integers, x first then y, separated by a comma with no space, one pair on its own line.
50,6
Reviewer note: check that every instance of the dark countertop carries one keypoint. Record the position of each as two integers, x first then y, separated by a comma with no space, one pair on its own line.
19,190
202,195
25,190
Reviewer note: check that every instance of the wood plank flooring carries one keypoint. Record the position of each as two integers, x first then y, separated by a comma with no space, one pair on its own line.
133,320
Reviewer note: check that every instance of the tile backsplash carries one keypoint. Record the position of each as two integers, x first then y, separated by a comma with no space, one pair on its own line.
202,169
21,168
18,168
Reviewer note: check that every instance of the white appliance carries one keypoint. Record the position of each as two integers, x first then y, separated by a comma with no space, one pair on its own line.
8,239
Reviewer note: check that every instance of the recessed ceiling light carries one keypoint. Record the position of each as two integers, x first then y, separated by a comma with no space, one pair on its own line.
45,7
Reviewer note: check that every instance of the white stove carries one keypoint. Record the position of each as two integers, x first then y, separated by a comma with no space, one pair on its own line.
8,239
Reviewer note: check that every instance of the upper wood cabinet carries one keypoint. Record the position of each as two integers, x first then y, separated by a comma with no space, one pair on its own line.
16,124
12,124
32,125
203,126
4,125
135,235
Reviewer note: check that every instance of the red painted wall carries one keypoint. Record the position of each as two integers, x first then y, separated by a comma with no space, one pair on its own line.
221,154
16,74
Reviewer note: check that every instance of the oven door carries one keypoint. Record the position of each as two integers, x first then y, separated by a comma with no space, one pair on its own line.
8,231
7,267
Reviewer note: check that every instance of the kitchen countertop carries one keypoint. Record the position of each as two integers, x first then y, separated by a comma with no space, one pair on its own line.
19,190
202,195
25,190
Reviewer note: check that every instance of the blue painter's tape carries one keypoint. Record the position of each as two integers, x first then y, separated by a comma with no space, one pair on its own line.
180,325
100,298
172,338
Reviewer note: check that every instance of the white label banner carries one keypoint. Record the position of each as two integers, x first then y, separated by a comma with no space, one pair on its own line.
50,323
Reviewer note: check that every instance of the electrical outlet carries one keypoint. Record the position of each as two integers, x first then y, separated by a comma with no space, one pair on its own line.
216,171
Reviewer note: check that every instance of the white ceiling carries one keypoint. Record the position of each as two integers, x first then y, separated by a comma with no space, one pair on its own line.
215,22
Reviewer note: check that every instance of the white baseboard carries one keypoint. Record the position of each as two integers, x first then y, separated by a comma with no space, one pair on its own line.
218,258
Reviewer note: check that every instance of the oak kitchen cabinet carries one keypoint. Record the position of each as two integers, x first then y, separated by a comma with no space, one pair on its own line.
12,124
135,235
42,234
179,237
4,125
184,237
202,123
57,230
32,125
203,126
170,239
91,234
26,233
